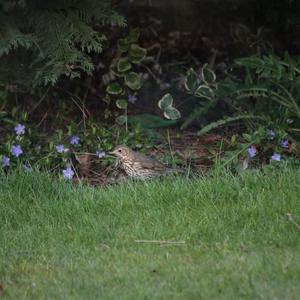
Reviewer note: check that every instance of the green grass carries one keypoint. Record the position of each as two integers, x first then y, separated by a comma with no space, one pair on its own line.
60,241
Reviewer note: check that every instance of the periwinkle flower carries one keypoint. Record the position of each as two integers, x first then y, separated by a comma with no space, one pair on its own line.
20,129
132,99
276,157
251,151
74,140
100,153
284,143
60,148
16,150
68,173
270,134
5,161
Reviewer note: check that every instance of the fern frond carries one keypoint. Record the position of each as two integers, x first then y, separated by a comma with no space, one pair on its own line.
272,66
225,121
198,113
60,34
11,38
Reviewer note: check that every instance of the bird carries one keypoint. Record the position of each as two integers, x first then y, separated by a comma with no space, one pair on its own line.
139,166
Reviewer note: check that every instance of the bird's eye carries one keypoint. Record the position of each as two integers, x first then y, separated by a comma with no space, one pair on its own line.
119,150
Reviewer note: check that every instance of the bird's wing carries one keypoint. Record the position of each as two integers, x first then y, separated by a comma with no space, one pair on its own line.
148,162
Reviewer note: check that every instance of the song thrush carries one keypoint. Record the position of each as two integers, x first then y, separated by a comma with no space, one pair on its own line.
139,166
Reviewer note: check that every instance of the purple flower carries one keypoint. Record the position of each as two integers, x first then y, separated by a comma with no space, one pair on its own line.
276,157
20,129
270,134
5,161
16,150
100,153
60,148
284,143
132,99
68,173
252,151
75,140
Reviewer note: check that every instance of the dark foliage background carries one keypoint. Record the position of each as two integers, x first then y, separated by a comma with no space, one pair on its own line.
127,68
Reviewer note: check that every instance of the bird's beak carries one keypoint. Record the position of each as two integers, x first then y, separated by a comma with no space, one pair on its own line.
112,152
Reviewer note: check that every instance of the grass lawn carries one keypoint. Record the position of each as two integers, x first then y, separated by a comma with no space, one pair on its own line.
60,241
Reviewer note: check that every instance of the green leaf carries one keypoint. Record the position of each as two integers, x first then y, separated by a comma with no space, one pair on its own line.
114,69
133,81
149,121
3,114
114,89
165,102
120,120
137,53
192,81
247,137
226,120
121,103
123,45
123,65
208,75
133,35
172,113
205,91
107,99
248,78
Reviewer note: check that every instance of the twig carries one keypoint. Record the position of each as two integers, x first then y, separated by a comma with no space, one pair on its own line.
170,148
126,120
159,242
157,80
291,219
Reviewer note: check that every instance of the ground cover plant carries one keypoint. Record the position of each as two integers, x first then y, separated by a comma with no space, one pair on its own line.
237,237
